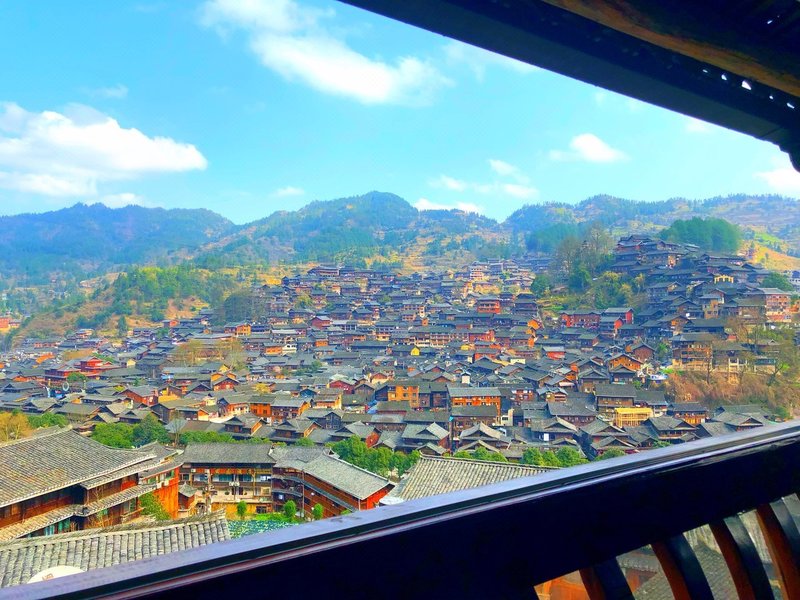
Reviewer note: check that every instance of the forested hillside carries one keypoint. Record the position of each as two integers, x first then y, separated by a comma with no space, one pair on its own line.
375,228
86,240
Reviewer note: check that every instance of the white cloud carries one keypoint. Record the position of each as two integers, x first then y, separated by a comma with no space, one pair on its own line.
286,192
505,169
782,179
292,40
479,60
589,147
69,154
697,126
116,92
124,199
450,183
516,190
425,204
502,168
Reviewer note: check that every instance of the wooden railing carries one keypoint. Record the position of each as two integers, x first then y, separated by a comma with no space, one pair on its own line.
499,541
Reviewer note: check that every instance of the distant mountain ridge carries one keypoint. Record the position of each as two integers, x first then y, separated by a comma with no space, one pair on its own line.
93,239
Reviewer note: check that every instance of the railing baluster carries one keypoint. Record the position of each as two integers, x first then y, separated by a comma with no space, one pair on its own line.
605,581
682,569
741,556
783,541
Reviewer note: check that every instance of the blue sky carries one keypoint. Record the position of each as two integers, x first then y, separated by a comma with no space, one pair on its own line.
251,106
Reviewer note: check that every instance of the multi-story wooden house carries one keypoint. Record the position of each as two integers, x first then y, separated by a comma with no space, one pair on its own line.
57,480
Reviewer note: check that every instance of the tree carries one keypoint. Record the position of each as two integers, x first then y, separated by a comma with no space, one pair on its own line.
317,512
205,437
116,435
541,285
77,378
47,420
149,430
579,278
13,426
569,457
304,442
241,509
778,280
532,456
549,459
567,254
613,453
710,233
122,326
290,510
188,353
152,507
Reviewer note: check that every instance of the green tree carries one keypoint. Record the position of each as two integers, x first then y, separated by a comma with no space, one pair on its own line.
206,437
613,453
579,278
710,234
549,459
317,512
290,510
47,420
777,280
532,456
305,442
152,507
76,378
122,326
541,285
241,509
569,457
116,435
149,430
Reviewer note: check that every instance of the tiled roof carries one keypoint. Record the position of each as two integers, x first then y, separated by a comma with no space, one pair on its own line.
228,453
96,548
350,479
26,526
431,476
43,463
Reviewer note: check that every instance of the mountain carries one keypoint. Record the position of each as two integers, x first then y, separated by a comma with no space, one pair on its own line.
777,214
93,239
376,227
376,224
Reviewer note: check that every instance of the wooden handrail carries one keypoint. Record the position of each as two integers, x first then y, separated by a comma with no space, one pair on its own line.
491,542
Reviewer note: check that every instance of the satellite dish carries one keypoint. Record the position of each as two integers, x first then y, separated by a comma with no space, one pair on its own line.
54,572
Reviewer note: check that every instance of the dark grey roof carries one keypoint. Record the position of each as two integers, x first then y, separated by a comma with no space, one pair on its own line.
57,459
228,453
351,479
97,548
433,475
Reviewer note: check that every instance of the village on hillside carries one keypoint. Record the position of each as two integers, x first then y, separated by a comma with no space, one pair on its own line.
353,388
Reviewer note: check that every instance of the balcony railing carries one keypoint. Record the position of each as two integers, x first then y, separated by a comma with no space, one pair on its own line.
500,540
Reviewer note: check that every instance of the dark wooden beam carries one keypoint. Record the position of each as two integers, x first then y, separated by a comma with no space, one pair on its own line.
619,46
696,30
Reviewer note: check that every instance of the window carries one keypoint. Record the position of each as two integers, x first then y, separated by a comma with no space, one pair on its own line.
262,509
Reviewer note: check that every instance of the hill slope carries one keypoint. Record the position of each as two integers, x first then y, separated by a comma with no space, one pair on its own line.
95,239
84,241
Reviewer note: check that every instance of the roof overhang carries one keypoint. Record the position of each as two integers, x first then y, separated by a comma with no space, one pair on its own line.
734,64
